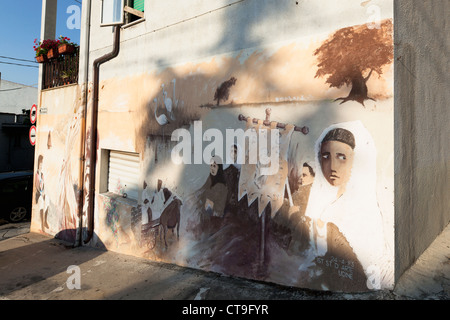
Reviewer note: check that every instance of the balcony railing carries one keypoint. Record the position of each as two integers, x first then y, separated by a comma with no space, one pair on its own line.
61,71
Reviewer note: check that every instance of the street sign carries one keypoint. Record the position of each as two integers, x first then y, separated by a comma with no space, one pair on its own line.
33,114
32,135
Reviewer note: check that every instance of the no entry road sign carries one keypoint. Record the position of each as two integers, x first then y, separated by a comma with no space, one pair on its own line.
32,135
33,114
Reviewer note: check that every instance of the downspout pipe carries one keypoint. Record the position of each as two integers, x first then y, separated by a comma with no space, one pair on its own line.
94,117
87,31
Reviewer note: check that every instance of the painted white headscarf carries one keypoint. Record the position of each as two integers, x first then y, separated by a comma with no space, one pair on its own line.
356,212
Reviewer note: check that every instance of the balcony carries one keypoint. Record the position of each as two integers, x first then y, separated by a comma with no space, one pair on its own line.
61,71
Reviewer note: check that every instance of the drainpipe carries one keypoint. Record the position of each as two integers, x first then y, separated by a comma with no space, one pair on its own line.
94,116
87,30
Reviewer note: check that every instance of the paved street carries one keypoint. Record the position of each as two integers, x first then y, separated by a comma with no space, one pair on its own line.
38,267
9,230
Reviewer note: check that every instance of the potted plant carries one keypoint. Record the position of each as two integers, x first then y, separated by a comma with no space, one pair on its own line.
65,46
66,76
52,53
41,58
43,49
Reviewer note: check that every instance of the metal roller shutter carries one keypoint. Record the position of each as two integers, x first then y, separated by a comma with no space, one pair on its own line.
123,173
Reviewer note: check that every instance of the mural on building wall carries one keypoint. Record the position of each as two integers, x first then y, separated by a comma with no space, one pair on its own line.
160,212
346,232
68,201
57,194
316,221
41,199
223,91
351,55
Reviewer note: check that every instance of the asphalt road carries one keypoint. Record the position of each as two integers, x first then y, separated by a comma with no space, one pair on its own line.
9,230
39,267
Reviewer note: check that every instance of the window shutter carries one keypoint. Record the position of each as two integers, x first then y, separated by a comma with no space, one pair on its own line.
139,5
123,173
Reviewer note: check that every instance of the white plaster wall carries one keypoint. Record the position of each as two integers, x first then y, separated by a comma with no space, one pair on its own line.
15,96
176,32
422,155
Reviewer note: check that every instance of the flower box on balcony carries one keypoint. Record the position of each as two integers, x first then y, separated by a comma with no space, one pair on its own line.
66,48
52,53
42,58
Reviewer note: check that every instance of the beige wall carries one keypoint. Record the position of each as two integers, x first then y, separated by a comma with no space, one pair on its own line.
59,134
422,156
201,29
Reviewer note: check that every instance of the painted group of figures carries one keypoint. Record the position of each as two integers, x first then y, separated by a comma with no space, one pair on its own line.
332,221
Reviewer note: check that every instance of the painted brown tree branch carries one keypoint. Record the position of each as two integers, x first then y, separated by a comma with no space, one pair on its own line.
351,55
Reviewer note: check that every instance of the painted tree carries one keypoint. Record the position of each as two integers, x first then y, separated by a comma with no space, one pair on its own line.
351,55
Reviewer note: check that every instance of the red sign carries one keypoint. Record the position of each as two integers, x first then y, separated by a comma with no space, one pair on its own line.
33,113
32,135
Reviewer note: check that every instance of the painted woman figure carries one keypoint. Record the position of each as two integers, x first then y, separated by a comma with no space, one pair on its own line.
227,242
214,193
347,235
68,200
41,199
232,170
208,202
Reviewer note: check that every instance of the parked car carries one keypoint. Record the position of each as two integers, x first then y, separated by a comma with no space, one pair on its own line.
16,190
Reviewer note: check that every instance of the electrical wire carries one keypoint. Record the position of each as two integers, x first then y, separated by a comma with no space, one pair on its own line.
11,58
19,64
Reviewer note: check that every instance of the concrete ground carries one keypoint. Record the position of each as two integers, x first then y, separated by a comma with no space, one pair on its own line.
38,267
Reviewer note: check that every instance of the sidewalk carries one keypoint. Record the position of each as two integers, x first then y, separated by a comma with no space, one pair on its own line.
9,230
38,267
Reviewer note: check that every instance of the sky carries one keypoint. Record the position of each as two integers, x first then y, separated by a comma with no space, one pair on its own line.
20,24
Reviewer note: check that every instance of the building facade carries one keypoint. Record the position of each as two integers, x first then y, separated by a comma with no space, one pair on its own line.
16,101
260,139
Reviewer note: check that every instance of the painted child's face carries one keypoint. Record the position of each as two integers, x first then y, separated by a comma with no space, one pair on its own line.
214,168
336,160
306,177
233,153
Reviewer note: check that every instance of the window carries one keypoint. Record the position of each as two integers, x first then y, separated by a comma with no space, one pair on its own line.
134,10
117,12
123,173
112,13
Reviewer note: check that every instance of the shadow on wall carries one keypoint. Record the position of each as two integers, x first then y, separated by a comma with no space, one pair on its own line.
237,35
229,243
